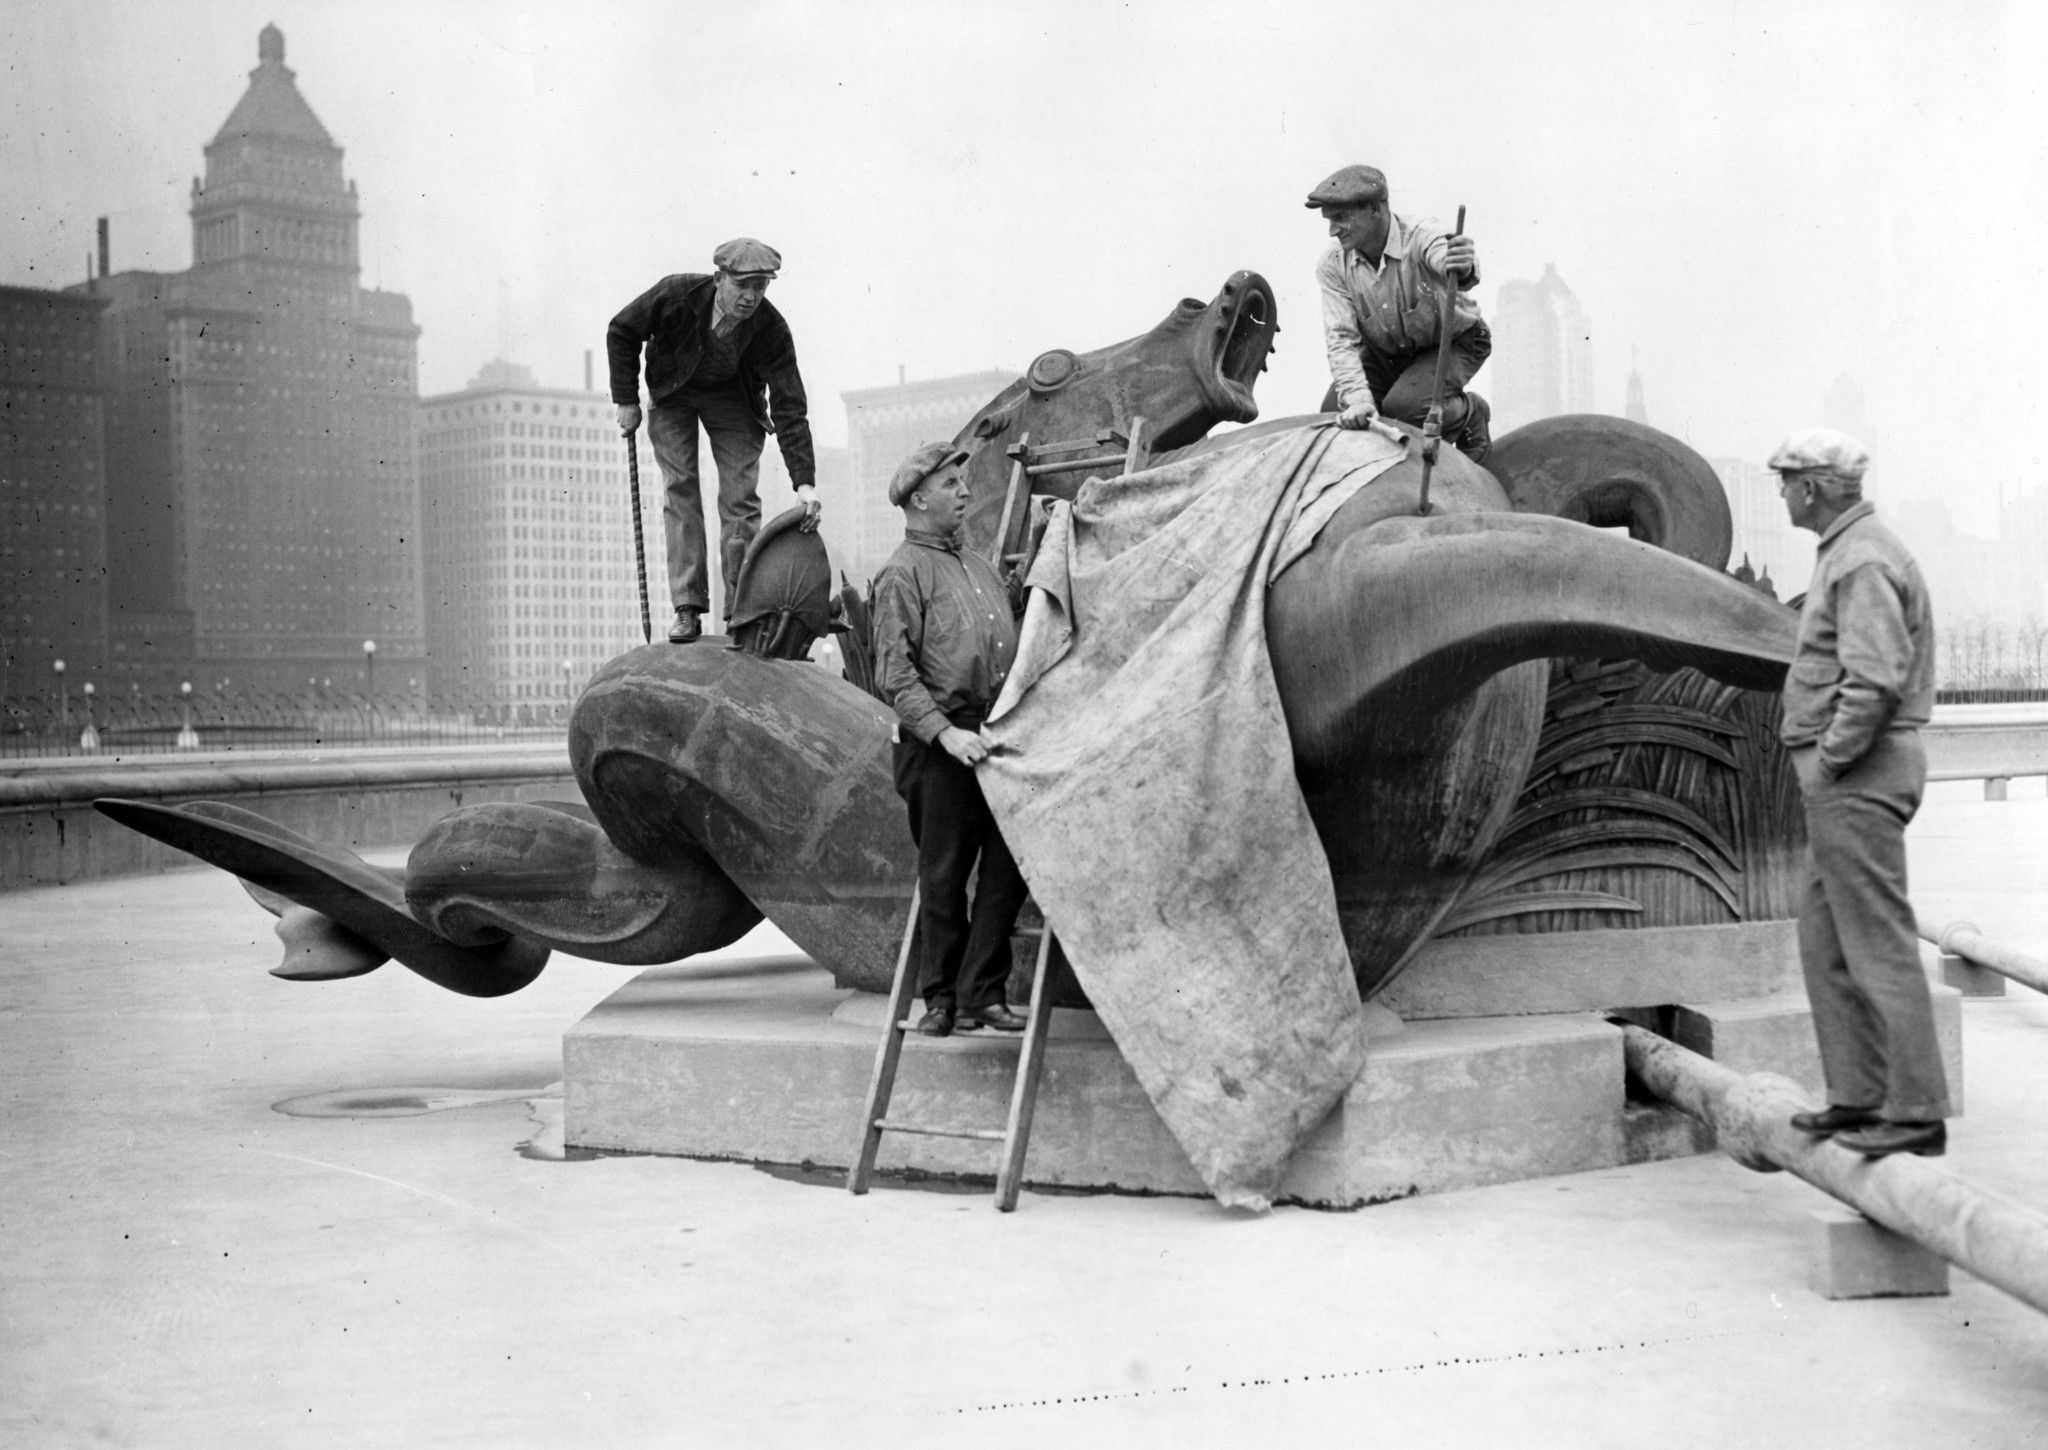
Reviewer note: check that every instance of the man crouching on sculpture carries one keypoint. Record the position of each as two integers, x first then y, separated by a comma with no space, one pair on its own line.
1860,686
715,345
945,639
1382,313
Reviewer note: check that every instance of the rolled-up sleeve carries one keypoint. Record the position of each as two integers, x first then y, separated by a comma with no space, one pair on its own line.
899,642
1876,652
1341,337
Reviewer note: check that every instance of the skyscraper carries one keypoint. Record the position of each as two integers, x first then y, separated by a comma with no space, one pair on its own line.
1542,362
262,498
528,538
53,547
883,427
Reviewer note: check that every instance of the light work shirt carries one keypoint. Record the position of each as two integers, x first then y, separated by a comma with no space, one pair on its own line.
1392,308
945,639
1864,662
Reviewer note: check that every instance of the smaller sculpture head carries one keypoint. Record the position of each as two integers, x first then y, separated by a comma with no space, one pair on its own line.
1191,372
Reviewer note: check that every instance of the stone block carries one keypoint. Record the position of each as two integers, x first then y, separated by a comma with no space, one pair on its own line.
1852,1258
1775,1034
1970,979
769,1062
1595,971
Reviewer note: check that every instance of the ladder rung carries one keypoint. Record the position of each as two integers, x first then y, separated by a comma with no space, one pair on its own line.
1048,450
986,1135
1073,464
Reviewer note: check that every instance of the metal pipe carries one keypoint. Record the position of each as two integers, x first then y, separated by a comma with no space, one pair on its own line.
1961,939
2003,1243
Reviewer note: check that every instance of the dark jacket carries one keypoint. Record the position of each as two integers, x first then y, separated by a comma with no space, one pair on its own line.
673,319
944,635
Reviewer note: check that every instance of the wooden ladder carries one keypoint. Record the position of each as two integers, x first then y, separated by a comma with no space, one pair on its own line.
1028,463
1015,1135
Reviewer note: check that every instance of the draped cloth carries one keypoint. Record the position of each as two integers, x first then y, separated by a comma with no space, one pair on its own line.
1142,775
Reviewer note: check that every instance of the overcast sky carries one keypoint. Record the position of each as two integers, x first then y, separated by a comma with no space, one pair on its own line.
1751,198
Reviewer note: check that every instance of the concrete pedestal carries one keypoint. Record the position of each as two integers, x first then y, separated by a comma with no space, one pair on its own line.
768,1061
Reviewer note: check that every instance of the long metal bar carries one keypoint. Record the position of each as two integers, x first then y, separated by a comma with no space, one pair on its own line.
639,541
2003,1243
1433,423
883,1083
1961,939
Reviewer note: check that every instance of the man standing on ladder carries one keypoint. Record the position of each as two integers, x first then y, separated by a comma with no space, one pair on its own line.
945,639
1380,287
715,345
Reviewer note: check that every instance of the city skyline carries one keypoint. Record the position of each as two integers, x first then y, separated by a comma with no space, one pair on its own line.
1760,225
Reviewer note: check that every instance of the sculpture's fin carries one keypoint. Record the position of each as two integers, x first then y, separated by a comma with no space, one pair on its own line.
1410,613
340,886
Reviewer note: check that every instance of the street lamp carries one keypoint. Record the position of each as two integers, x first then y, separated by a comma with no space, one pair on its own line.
369,667
89,738
63,703
188,738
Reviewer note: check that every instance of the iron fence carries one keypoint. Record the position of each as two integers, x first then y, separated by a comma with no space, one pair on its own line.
136,723
1991,662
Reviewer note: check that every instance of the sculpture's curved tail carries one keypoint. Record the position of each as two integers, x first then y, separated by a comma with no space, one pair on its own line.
366,903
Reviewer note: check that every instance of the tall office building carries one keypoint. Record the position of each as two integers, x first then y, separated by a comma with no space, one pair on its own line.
528,538
1542,362
262,498
883,427
53,547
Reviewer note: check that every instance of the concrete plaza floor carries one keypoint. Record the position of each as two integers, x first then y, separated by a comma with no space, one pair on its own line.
181,1264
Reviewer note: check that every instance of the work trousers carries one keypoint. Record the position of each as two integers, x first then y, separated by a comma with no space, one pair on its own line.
736,440
1401,384
964,958
1857,943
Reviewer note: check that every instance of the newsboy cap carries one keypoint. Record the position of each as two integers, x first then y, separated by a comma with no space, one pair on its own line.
919,466
745,257
1352,186
1822,450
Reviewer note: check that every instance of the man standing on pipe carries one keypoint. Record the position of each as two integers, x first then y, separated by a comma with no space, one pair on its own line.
1860,687
1381,285
719,354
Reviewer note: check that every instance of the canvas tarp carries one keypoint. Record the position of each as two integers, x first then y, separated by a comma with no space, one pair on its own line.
1141,773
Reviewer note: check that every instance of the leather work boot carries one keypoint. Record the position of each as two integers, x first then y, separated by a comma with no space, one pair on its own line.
938,1022
1929,1140
685,627
994,1014
1835,1119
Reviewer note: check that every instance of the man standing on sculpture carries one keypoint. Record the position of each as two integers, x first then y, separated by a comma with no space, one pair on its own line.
945,639
716,347
1382,287
1860,687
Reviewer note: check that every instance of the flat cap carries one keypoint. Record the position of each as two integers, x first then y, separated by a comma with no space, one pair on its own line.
1352,186
745,257
1822,450
919,466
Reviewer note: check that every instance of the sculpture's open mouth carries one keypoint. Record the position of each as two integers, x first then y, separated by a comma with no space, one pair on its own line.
1238,337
